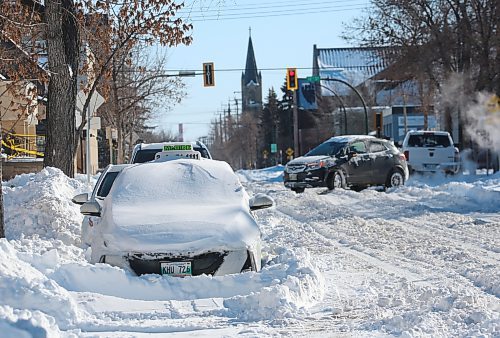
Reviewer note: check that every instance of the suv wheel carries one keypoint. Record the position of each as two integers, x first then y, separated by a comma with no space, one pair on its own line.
395,179
336,180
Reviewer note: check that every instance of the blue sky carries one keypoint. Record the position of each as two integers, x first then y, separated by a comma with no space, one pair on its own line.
283,36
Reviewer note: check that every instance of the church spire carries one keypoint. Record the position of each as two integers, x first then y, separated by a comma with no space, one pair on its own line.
251,73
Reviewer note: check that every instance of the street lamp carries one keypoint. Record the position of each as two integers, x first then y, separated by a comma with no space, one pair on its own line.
357,93
341,103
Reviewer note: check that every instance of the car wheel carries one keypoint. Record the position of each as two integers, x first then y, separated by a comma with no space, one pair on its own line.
357,188
395,179
298,190
336,180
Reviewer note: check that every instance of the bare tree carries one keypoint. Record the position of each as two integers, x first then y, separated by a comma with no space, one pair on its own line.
138,88
71,26
433,40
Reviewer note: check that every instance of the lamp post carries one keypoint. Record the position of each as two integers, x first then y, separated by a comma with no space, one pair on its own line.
341,103
357,93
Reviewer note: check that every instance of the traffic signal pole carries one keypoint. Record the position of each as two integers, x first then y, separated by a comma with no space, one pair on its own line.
295,125
292,83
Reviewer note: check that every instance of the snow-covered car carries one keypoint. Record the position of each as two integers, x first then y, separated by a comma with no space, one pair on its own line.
145,152
101,190
355,161
431,151
179,218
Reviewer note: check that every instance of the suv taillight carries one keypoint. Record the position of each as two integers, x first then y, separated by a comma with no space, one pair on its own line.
407,155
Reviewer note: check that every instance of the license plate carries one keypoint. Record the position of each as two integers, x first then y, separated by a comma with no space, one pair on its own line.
431,166
176,269
292,177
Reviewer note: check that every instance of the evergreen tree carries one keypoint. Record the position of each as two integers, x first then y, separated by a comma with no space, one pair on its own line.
269,126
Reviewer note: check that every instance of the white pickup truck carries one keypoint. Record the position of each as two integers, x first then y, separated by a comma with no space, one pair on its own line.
431,151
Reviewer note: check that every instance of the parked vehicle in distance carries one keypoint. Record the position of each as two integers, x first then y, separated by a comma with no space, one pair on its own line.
101,190
145,152
431,151
184,217
355,161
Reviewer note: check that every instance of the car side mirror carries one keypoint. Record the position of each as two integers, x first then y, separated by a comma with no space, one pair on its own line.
261,201
80,198
91,209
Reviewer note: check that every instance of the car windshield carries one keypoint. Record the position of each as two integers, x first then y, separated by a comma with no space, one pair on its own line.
327,148
429,140
146,155
106,184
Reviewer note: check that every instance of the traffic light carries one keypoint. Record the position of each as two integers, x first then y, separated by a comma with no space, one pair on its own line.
292,82
208,74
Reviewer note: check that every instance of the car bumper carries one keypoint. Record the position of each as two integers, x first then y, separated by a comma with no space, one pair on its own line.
432,168
306,179
210,263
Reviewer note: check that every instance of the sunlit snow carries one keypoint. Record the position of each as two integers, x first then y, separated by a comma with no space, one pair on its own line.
419,260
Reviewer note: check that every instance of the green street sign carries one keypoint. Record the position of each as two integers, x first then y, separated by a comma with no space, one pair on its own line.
274,148
313,78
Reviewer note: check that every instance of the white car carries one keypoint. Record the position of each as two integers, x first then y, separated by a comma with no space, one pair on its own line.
431,151
101,190
181,217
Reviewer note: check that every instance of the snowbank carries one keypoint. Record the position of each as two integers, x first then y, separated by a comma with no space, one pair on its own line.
271,174
40,205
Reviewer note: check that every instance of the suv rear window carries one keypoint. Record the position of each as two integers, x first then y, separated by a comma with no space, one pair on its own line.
146,155
429,140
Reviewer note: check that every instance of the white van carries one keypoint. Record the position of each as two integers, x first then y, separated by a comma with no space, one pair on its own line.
431,151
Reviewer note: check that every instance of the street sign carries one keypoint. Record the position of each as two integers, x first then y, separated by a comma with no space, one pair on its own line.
208,74
95,101
316,78
289,151
274,148
265,153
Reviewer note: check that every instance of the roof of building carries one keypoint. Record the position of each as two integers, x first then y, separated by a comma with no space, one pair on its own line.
354,65
251,73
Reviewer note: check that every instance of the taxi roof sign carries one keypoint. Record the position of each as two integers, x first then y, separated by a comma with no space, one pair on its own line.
177,147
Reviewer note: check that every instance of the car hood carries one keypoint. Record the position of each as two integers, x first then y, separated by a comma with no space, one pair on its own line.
177,228
308,159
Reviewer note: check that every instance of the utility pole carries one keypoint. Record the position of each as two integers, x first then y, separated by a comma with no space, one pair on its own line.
295,125
405,114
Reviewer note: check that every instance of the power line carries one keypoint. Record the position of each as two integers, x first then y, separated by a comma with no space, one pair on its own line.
296,5
270,14
200,72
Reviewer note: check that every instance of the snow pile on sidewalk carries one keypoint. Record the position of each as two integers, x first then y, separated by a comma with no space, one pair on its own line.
40,205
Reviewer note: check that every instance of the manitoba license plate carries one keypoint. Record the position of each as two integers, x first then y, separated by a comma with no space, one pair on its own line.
176,269
292,177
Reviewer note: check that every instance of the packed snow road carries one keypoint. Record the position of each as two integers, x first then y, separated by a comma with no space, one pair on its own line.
420,260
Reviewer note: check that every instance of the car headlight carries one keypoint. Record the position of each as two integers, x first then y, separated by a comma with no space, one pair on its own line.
315,165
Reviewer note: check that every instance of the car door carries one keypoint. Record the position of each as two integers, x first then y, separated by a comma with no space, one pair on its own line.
100,192
382,162
358,167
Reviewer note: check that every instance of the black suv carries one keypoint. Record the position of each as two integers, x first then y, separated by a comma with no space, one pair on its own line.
348,161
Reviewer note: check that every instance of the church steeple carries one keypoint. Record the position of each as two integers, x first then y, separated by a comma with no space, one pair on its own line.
251,73
251,82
